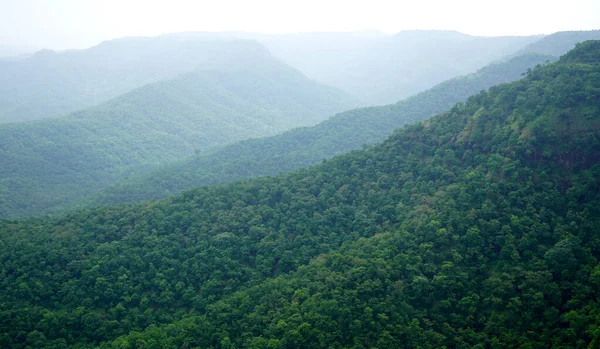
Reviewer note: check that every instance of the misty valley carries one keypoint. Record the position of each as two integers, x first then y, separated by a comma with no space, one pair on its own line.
424,189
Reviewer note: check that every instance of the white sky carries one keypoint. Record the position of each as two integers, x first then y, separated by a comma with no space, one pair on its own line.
62,24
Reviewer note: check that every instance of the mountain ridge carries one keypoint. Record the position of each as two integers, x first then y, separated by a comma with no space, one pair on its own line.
304,147
166,120
475,228
51,84
382,69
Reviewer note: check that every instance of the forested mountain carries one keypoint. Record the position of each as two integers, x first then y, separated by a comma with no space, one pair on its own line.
375,67
303,147
379,68
52,83
48,162
409,62
560,43
476,228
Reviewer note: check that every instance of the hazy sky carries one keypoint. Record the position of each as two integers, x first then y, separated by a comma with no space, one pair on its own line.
61,24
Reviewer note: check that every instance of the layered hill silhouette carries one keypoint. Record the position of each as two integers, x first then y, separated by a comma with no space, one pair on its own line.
383,69
47,162
475,228
380,68
303,147
559,43
50,84
377,68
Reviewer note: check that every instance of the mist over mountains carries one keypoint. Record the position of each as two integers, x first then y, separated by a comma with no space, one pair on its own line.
428,189
380,68
302,147
50,84
380,247
50,161
376,68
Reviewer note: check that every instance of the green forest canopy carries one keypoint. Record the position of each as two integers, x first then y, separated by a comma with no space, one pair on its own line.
476,228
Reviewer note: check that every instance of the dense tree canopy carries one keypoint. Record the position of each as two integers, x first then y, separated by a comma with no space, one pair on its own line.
476,228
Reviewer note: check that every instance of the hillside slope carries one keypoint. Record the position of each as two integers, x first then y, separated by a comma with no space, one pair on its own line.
476,228
47,162
306,146
50,84
560,43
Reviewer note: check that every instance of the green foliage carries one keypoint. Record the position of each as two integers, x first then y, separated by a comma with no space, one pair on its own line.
477,228
303,147
48,162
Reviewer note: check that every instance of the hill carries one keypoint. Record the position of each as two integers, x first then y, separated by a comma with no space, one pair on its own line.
303,147
413,61
50,84
48,162
560,43
476,228
382,69
379,68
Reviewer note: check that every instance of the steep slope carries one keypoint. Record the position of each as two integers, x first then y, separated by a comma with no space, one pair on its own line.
306,146
48,162
379,68
50,84
477,228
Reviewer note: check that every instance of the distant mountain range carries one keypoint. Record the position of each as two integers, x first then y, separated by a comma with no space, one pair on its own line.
379,68
559,43
306,146
50,84
224,90
475,228
374,67
48,162
387,69
382,69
